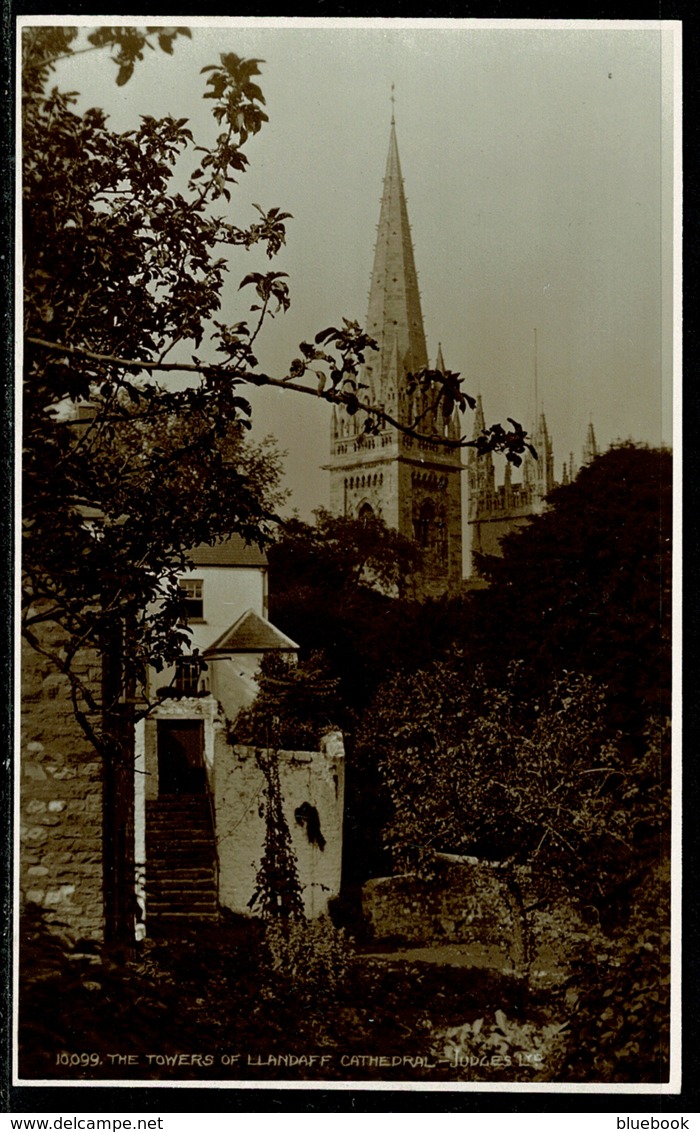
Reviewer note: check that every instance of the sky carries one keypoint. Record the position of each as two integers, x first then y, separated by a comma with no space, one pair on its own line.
538,168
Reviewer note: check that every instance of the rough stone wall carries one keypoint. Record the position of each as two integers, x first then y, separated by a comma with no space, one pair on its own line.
60,804
476,905
457,904
312,779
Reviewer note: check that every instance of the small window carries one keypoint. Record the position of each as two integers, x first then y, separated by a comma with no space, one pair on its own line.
187,675
192,598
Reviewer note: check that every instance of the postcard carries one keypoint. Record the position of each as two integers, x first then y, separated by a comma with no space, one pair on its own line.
346,715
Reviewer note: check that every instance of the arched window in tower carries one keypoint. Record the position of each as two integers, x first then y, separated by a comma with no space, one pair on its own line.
440,536
425,524
366,512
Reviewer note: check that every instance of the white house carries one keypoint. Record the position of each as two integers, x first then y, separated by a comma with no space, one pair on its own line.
200,800
225,595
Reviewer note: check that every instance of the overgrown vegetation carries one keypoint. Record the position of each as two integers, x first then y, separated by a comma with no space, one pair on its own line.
237,995
473,769
277,893
295,705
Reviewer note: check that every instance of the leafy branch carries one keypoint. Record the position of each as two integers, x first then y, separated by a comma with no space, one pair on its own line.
344,386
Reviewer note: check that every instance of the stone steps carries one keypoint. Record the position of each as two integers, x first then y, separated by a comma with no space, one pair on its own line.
181,878
168,875
183,919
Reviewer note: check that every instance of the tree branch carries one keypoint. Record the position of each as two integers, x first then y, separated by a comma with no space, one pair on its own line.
334,397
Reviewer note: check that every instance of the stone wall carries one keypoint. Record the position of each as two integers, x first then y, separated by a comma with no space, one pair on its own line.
309,781
480,906
60,803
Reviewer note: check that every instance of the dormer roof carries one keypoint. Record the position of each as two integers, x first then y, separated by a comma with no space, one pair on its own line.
252,633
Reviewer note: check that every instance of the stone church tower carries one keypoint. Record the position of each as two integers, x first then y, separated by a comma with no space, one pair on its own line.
414,486
495,511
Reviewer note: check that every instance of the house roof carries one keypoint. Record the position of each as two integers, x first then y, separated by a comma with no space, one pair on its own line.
233,551
252,633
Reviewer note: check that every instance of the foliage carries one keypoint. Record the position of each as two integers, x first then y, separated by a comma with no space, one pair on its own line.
341,554
619,997
64,988
485,1048
485,770
586,586
117,261
514,442
229,987
277,893
313,956
334,588
295,705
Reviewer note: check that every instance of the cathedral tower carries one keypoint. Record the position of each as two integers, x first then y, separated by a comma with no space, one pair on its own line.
495,511
413,485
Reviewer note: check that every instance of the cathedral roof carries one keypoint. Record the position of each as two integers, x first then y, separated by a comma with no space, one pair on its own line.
394,316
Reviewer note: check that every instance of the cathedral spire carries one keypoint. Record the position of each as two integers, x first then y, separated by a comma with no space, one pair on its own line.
480,468
479,419
590,448
394,316
412,480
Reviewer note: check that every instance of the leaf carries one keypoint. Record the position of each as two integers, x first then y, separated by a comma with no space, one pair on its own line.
124,74
254,277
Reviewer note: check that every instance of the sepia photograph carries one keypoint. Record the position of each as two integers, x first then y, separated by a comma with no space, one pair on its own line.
347,392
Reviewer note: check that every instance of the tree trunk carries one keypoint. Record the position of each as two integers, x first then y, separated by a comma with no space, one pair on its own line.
118,796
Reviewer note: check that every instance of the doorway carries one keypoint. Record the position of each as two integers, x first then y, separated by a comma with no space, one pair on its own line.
181,756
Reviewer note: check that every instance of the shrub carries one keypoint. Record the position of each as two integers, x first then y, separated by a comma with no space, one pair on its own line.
486,1047
313,956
